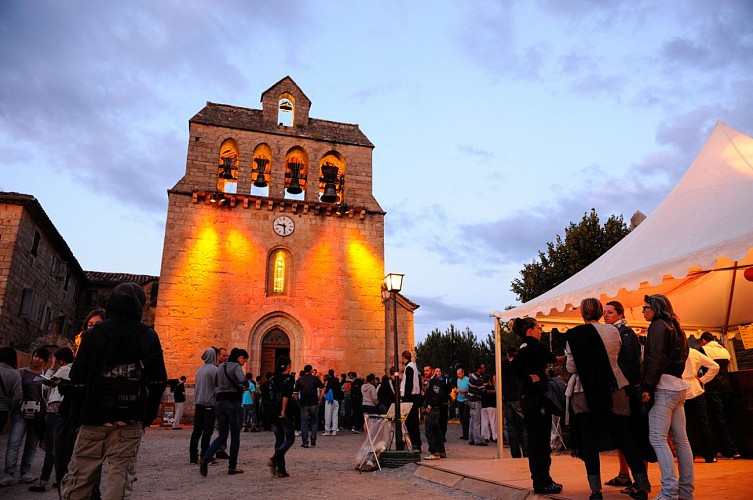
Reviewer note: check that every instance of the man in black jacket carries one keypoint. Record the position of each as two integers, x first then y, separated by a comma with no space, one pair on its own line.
118,377
434,398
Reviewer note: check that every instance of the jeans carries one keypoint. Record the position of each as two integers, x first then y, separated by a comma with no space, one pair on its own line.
95,443
331,412
228,415
249,416
203,427
433,432
464,417
309,416
474,429
516,429
51,425
284,437
20,427
667,417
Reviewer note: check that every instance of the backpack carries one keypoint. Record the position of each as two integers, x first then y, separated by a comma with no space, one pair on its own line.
355,390
275,396
117,391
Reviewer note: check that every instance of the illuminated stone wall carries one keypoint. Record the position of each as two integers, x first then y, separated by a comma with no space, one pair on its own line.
213,282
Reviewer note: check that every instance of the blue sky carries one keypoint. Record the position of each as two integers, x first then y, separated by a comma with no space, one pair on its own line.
496,123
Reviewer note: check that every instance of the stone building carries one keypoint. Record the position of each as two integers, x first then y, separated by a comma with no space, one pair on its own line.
99,285
40,279
274,242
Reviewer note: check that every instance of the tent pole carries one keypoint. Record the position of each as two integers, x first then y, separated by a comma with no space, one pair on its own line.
498,370
731,346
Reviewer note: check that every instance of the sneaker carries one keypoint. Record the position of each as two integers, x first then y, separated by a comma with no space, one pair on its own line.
710,460
432,457
442,455
313,441
222,455
6,480
297,433
334,433
26,478
326,433
354,431
304,445
232,472
550,489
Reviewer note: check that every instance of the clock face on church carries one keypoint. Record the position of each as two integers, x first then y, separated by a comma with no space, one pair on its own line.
283,225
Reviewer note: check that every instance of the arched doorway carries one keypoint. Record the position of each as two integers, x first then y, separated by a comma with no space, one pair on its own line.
275,343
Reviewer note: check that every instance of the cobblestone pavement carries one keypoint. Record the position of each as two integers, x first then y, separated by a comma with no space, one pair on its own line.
326,471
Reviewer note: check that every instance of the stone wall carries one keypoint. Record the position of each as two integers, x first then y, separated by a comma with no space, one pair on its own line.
53,288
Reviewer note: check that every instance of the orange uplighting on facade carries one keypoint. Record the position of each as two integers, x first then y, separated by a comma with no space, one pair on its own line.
231,277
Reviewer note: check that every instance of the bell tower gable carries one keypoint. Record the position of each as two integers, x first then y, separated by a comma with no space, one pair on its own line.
285,96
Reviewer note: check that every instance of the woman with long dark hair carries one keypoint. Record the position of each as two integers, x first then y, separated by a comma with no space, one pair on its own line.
530,367
662,385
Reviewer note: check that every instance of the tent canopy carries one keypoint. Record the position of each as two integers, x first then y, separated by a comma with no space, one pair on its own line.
693,248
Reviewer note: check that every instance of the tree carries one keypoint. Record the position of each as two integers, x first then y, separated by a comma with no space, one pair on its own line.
454,349
584,243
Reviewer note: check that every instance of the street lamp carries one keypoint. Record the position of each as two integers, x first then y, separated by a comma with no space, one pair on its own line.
394,283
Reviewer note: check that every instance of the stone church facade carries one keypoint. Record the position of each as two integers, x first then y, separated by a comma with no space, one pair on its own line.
274,243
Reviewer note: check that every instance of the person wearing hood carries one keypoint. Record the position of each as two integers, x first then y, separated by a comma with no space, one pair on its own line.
118,378
231,383
204,401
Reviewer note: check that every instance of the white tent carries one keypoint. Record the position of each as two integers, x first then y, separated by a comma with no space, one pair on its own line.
694,248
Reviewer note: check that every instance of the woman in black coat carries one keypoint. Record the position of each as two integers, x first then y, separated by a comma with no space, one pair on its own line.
530,367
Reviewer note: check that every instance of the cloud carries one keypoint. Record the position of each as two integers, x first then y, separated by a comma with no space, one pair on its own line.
437,313
103,96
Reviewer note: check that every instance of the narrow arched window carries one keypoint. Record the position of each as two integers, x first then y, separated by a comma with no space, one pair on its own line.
331,177
296,172
261,170
227,168
279,272
286,110
278,280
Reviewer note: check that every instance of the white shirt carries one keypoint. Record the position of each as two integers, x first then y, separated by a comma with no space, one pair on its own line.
696,360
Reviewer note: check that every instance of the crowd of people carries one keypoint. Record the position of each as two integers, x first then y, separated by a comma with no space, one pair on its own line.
85,404
638,395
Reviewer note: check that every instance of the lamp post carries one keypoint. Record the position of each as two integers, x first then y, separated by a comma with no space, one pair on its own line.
394,283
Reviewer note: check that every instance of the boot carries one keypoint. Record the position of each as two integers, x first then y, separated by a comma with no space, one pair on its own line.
594,482
641,482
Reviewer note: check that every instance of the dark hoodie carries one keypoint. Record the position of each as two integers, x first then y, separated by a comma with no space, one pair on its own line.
120,339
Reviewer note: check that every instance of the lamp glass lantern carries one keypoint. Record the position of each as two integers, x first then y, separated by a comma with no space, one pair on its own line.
394,282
